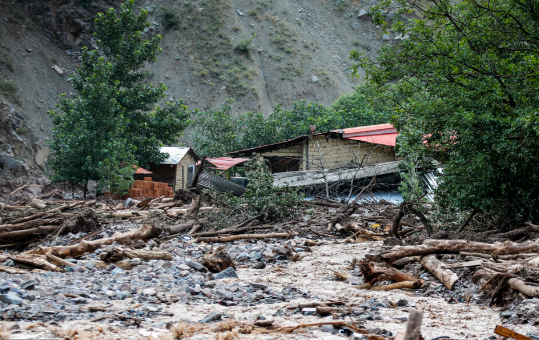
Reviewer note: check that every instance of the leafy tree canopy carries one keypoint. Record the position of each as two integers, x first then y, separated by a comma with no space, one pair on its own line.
219,131
113,121
467,77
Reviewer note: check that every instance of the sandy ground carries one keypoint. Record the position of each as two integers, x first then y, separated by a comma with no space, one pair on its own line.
311,274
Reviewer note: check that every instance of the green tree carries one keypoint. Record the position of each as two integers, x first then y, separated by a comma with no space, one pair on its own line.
114,119
468,81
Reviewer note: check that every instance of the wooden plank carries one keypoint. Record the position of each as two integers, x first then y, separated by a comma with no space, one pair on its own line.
507,333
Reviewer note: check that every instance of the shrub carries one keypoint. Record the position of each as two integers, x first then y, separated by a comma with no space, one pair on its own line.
244,46
169,19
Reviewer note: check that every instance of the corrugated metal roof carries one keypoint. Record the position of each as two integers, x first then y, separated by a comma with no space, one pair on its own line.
383,139
225,163
368,130
142,171
176,153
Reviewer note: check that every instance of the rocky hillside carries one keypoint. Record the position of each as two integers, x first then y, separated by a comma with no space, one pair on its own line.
260,52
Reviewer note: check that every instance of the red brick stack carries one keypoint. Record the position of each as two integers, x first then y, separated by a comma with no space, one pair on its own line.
148,188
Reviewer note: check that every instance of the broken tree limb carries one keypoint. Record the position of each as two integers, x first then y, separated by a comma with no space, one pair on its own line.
29,224
13,193
290,329
146,232
35,261
413,328
437,268
242,237
372,274
408,208
11,270
472,214
457,246
522,287
51,211
218,260
194,182
180,228
398,285
231,231
323,311
56,260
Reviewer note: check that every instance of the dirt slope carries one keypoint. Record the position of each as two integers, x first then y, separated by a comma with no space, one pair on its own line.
299,51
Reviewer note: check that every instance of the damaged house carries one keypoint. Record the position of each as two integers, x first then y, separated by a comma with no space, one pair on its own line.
360,152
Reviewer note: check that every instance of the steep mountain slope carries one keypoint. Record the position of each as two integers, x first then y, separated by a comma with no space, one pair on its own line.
299,51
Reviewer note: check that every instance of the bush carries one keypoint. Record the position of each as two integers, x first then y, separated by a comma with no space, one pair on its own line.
260,198
244,46
9,90
169,19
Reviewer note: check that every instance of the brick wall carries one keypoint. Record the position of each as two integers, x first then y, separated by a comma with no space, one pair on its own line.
293,151
338,153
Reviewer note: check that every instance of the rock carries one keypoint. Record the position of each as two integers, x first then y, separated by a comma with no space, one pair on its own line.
385,37
269,256
11,298
206,292
363,15
5,287
122,295
89,265
58,70
354,280
256,256
315,79
329,328
240,12
197,266
258,285
229,272
224,294
212,316
183,267
135,261
402,303
259,265
391,15
149,291
185,273
280,250
116,271
242,257
281,257
28,285
11,164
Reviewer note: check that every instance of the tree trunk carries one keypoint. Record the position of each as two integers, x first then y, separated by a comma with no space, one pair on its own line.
437,268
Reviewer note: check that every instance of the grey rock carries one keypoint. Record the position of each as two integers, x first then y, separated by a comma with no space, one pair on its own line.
259,265
354,280
206,292
329,328
5,287
197,266
242,257
117,271
185,273
224,294
363,15
385,37
122,295
280,250
183,267
8,262
258,285
281,257
229,272
256,256
212,316
28,285
11,298
89,265
315,79
240,12
79,299
402,303
8,162
135,261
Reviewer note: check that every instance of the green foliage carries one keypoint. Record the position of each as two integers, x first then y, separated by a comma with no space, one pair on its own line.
9,90
115,178
113,118
85,3
244,46
218,131
260,197
169,19
468,82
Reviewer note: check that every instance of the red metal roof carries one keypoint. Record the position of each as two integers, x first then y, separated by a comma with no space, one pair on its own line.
384,139
142,171
225,163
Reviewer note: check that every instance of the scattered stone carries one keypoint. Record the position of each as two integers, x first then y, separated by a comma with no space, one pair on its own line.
135,261
315,79
385,37
5,287
363,15
402,303
354,280
197,266
258,285
28,285
58,70
259,265
224,294
115,271
212,316
229,272
11,298
240,12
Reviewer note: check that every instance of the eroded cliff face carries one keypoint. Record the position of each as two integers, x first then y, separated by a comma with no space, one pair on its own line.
299,51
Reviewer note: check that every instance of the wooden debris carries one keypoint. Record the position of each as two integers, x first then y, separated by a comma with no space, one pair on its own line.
438,269
218,260
398,285
219,239
290,329
507,333
372,274
413,328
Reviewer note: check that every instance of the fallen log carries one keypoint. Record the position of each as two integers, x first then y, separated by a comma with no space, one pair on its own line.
231,231
372,274
18,235
314,304
398,285
437,268
457,246
146,232
242,237
13,193
35,261
56,260
118,254
51,211
323,311
522,287
290,329
11,270
180,228
37,204
29,224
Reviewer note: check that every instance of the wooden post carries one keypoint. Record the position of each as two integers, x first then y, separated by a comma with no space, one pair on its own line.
413,329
